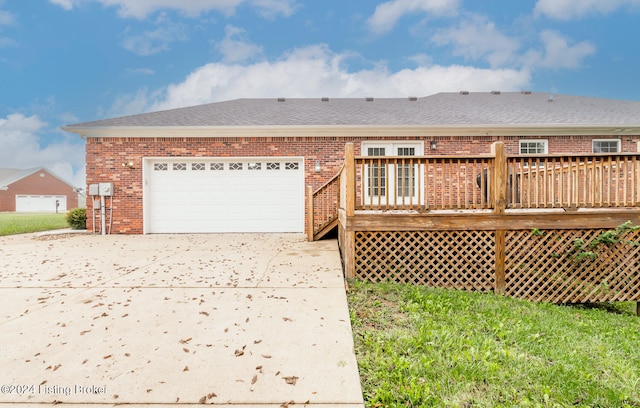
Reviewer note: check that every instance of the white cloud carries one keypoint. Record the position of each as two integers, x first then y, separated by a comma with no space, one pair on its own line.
235,48
142,8
129,104
421,59
315,71
7,42
573,9
158,40
6,18
273,8
65,4
387,14
141,71
558,52
477,38
21,147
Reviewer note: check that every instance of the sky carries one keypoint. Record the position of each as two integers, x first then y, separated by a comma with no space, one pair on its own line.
70,61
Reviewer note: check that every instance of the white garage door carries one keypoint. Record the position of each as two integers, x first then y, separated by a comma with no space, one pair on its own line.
41,203
224,195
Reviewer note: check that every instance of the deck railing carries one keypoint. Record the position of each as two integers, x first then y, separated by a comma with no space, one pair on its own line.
494,183
577,181
425,183
324,202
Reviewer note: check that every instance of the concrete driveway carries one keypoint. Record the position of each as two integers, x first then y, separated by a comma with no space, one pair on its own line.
243,319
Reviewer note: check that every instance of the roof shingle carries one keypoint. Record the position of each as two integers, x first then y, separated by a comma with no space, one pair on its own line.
482,108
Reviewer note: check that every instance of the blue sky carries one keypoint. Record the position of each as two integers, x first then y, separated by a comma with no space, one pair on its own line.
69,61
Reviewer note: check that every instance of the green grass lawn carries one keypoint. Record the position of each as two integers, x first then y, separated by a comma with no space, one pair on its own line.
421,347
19,223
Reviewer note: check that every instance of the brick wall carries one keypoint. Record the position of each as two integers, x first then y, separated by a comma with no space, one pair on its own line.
106,155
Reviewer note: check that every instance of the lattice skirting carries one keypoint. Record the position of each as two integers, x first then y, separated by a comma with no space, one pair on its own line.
545,267
448,259
537,267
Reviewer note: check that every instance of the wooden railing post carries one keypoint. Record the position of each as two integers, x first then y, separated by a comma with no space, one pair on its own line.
500,175
350,167
350,209
310,210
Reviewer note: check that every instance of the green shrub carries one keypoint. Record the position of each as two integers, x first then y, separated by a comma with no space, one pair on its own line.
77,218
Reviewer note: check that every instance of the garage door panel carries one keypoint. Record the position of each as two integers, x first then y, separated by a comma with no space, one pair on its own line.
41,203
231,195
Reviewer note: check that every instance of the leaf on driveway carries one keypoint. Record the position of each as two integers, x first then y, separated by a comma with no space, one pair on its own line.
238,353
287,319
292,380
254,379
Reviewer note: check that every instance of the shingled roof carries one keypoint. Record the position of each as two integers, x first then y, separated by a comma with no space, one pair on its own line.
10,176
443,109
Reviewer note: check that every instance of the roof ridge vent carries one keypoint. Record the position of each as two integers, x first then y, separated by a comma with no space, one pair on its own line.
324,99
281,99
495,92
369,99
464,92
413,98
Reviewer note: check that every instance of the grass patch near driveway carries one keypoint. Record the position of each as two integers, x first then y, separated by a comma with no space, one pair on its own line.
20,223
422,347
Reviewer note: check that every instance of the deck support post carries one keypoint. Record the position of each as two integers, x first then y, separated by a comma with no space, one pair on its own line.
350,209
310,226
500,173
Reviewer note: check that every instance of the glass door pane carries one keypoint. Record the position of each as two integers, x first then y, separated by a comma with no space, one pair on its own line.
406,174
377,174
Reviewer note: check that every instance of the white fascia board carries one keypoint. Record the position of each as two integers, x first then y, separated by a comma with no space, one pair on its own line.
354,131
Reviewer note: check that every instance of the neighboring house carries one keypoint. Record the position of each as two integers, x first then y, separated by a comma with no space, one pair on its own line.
242,165
35,190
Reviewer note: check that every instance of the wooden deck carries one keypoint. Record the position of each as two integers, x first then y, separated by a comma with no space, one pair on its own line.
507,224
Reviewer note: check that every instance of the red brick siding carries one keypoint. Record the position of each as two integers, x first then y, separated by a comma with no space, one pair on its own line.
106,155
36,185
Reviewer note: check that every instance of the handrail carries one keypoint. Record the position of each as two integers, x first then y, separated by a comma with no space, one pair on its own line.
331,180
323,206
423,183
461,183
572,182
568,181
